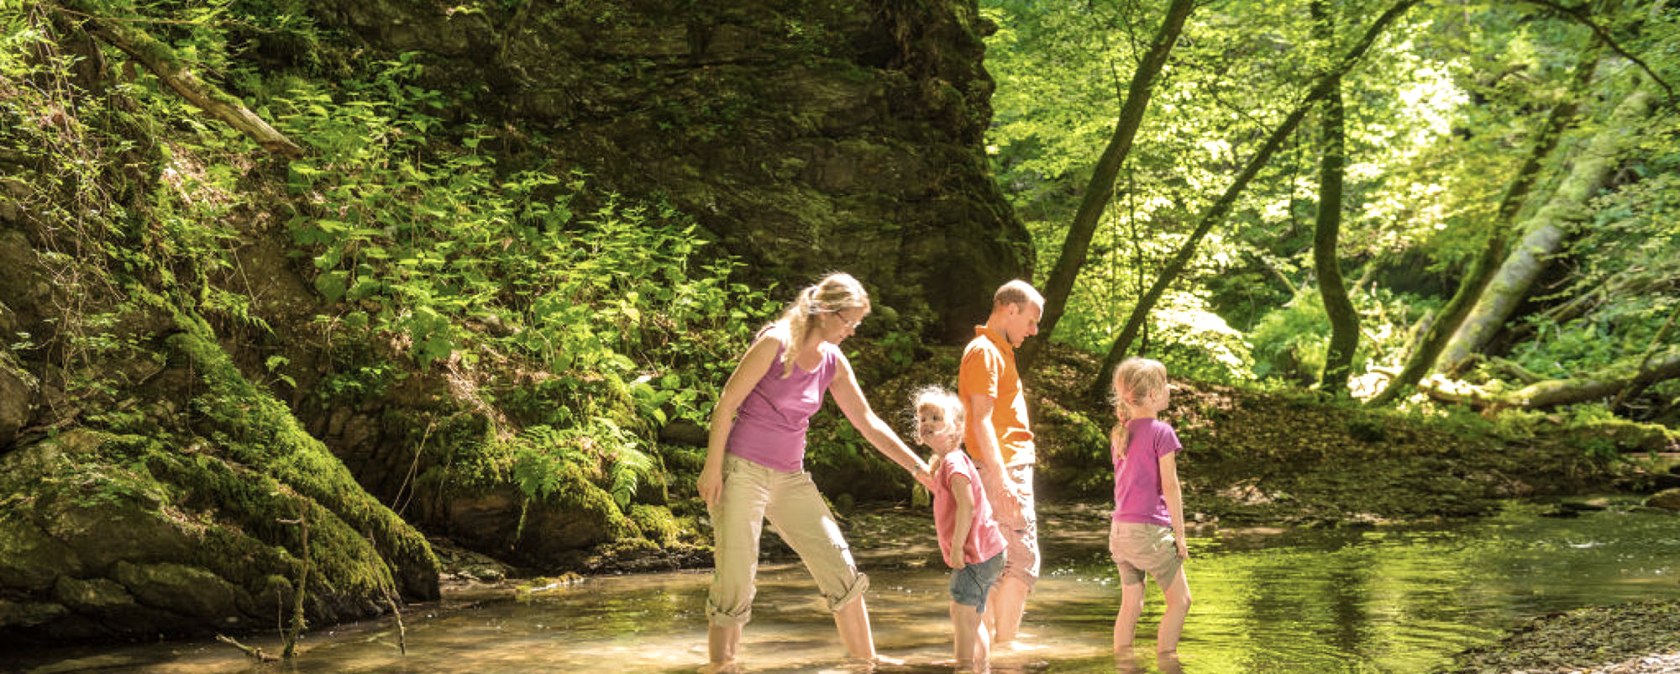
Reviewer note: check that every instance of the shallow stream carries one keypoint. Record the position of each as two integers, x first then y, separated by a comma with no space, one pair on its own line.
1385,599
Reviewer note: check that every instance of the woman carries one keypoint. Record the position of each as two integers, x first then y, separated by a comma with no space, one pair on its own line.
755,464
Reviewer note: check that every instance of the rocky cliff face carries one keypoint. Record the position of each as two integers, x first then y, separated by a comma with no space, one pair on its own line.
155,472
807,136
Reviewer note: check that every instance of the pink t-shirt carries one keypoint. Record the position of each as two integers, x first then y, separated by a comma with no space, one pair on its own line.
1137,475
770,427
984,540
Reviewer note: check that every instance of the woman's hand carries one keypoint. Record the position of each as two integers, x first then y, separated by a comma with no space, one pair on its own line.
1183,550
711,484
924,476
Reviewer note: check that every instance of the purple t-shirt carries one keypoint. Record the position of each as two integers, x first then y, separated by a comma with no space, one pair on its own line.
1137,475
770,426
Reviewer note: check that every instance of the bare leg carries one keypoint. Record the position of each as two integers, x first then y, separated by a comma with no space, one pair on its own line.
1008,601
722,642
1172,621
1125,622
973,645
853,623
962,638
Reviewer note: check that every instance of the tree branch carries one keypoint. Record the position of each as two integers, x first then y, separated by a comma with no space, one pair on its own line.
1579,15
161,60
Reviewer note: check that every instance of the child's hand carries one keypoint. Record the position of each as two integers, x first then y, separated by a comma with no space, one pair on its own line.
1183,550
957,565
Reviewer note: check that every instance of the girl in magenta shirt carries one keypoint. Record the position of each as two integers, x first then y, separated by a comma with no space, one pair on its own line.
1147,535
968,535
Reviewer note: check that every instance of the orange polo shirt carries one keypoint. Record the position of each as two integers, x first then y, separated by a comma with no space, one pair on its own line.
988,368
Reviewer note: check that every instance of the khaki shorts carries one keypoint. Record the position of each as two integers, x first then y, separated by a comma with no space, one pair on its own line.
753,494
1021,534
1138,548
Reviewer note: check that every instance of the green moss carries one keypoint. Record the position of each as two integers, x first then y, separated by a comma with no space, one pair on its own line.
656,524
259,432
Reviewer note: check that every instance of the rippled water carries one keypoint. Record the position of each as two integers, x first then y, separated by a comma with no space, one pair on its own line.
1382,600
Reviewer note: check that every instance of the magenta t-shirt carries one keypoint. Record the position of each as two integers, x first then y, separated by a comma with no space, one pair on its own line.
1137,476
984,540
770,426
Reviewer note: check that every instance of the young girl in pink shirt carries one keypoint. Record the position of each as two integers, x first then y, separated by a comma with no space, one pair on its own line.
1148,530
968,535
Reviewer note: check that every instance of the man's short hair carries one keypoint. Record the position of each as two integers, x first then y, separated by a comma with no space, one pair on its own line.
1016,292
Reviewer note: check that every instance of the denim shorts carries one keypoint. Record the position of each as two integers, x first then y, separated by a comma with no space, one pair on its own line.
971,584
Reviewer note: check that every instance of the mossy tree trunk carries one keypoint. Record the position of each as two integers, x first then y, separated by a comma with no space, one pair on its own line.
1545,233
1446,321
1344,320
1639,372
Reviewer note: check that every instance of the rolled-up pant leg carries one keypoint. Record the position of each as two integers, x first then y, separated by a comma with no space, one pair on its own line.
802,518
737,522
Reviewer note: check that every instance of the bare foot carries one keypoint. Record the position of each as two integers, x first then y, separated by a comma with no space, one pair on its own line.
719,668
1016,646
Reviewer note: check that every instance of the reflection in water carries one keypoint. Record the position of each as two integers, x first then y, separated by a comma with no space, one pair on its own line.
1390,600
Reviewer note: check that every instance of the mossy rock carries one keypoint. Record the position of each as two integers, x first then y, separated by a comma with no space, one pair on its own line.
18,391
1667,499
191,528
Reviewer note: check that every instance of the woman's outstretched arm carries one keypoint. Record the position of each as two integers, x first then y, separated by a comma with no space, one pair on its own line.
856,408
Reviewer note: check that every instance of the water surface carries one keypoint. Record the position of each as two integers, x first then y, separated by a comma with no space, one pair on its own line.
1389,599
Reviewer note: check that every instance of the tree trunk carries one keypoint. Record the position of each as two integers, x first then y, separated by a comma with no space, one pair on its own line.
1217,211
1552,393
1101,188
1546,232
1482,268
1344,319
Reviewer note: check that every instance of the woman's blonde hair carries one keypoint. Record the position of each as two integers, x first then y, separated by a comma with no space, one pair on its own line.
835,293
1134,380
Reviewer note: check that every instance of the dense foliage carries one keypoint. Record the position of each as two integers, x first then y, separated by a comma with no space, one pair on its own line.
575,321
1439,117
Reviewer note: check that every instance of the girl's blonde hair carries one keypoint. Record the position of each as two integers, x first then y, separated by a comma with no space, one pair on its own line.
835,293
1134,380
938,396
946,401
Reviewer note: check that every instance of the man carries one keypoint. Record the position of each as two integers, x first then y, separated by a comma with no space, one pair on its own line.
1002,443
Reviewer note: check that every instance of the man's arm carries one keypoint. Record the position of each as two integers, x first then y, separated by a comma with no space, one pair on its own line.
1000,490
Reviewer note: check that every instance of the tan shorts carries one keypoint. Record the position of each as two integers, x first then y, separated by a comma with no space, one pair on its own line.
1138,548
753,494
1021,534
